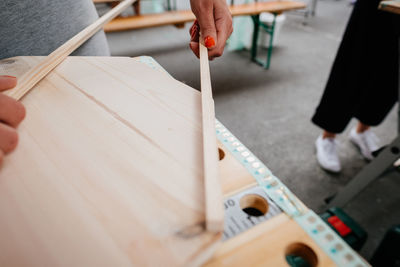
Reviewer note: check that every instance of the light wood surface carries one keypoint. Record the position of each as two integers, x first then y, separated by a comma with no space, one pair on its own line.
266,245
34,75
108,171
213,193
183,16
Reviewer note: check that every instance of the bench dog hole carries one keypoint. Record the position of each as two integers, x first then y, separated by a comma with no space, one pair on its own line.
221,154
299,254
254,205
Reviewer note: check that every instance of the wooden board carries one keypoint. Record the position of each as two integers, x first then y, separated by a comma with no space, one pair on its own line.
124,185
213,193
108,171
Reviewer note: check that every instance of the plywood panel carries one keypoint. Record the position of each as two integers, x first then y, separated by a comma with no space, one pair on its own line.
108,171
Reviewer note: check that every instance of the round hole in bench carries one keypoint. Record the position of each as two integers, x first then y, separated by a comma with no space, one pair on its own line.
395,150
254,205
221,154
299,254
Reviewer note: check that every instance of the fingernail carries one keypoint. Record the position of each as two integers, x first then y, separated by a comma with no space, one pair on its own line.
8,76
209,42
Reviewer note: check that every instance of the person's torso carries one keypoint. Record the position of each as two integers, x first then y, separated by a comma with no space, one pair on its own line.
38,27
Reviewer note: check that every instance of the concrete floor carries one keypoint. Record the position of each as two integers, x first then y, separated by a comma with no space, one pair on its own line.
270,110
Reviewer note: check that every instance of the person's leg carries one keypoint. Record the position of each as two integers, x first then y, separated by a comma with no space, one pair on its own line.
361,127
363,137
345,83
326,134
327,154
381,90
342,90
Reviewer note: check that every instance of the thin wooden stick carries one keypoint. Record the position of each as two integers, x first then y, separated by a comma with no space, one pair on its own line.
37,73
213,191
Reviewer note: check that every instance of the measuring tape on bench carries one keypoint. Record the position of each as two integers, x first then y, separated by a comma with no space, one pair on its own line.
279,199
237,220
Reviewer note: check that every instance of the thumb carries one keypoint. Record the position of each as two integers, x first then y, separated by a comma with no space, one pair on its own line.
207,28
7,82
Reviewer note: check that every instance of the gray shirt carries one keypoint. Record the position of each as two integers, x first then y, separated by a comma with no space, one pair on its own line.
37,27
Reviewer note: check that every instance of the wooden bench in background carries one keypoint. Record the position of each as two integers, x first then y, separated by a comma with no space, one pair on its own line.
180,17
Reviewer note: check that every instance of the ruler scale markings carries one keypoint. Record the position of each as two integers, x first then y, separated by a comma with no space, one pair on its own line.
237,225
232,230
236,218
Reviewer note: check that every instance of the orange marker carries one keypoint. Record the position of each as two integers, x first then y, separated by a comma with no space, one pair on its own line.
209,42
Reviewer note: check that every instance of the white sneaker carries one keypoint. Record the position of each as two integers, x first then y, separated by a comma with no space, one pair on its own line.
367,142
327,155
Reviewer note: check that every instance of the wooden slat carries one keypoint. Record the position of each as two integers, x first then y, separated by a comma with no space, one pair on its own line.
150,20
94,182
266,245
213,191
259,7
34,75
183,16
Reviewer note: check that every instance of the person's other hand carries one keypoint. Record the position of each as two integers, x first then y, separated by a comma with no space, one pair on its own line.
214,20
12,113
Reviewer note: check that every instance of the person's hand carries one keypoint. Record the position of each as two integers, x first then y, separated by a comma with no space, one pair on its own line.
214,21
12,113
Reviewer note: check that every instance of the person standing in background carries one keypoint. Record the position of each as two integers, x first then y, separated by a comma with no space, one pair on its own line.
363,83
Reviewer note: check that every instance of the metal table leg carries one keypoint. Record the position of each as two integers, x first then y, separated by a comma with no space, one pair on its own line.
368,174
270,29
256,22
313,7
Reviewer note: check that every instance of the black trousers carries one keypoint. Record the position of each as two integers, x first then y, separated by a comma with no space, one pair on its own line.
364,78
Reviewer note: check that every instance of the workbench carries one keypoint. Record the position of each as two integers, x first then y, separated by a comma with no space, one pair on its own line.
109,172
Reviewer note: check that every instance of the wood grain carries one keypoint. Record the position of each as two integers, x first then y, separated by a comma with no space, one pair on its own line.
266,245
34,75
213,191
108,172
